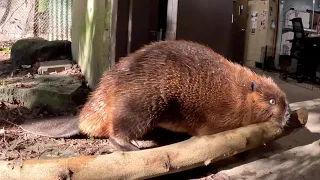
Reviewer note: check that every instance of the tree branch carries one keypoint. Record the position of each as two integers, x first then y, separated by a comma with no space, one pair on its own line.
194,152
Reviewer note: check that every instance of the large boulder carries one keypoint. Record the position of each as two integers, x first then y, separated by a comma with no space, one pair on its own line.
58,93
30,50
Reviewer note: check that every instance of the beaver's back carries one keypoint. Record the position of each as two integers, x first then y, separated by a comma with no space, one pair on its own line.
177,67
166,81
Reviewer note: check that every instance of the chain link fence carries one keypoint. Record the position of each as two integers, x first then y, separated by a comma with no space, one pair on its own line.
48,19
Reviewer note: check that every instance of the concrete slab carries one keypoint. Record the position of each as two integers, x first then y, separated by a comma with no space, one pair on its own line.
296,156
59,93
46,67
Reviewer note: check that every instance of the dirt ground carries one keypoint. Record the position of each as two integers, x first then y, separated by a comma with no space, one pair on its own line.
17,145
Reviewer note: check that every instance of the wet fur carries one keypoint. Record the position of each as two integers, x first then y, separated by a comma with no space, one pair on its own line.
180,86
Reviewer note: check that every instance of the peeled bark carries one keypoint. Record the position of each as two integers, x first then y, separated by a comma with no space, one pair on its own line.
194,152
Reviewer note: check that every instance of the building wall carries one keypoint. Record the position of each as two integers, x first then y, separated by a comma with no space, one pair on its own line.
263,35
91,37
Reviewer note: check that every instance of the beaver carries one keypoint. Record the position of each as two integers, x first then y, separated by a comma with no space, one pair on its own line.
181,86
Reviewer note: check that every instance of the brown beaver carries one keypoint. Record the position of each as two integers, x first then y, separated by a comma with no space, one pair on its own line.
180,86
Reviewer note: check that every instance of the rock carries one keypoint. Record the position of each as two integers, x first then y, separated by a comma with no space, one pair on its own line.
47,67
22,52
30,50
55,50
58,93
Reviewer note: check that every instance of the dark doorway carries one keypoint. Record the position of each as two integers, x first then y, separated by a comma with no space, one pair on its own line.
240,17
157,20
148,20
162,19
206,21
139,22
121,43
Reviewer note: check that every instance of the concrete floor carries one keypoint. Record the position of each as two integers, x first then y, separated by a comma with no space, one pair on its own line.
293,157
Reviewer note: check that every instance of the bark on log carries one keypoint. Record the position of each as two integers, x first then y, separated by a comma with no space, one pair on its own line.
194,152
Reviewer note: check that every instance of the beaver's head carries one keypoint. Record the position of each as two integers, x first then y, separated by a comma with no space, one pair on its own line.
267,101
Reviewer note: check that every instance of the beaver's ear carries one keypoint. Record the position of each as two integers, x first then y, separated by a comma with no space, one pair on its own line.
253,86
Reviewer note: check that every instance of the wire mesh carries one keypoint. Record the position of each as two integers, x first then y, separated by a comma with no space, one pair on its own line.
48,19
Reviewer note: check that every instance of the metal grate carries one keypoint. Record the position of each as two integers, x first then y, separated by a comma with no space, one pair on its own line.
48,19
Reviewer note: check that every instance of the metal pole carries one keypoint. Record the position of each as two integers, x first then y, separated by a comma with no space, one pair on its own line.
281,18
313,2
160,35
129,27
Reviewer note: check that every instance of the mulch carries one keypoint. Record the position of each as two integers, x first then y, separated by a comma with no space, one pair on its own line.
16,144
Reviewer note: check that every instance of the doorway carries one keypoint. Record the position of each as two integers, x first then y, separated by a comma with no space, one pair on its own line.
157,20
139,22
147,22
239,29
207,22
162,19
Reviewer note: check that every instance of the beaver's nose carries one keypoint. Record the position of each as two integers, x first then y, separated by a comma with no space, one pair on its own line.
287,114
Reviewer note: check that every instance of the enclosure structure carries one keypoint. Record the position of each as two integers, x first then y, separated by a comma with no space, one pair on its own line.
48,19
91,36
104,31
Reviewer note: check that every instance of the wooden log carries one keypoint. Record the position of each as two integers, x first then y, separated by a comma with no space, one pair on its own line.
194,152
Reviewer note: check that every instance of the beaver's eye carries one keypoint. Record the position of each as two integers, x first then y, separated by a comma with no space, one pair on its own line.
272,101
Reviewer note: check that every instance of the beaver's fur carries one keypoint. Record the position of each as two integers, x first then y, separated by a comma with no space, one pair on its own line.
181,86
